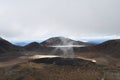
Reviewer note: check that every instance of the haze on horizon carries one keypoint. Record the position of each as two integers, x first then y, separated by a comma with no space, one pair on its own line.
76,19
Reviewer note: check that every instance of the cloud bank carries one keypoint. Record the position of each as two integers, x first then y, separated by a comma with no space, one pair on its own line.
41,19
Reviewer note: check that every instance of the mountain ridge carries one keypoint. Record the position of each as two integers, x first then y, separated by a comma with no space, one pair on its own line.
110,47
61,41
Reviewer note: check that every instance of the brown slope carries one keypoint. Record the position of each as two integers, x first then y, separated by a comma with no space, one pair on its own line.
9,51
6,46
111,47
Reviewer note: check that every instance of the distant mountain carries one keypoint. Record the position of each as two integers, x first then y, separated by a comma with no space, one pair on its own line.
45,46
111,47
20,43
32,46
37,48
7,47
97,41
61,41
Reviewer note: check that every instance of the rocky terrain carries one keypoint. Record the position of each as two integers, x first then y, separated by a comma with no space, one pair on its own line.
59,69
15,63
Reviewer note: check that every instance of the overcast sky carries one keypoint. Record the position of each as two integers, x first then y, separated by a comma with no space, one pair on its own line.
41,19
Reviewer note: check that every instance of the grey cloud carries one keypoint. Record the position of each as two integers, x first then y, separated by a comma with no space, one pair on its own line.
33,19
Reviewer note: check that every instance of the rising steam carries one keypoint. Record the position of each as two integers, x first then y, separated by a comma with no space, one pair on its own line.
66,47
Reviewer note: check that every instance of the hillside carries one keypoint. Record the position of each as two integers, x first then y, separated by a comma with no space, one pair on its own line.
111,47
6,46
32,46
